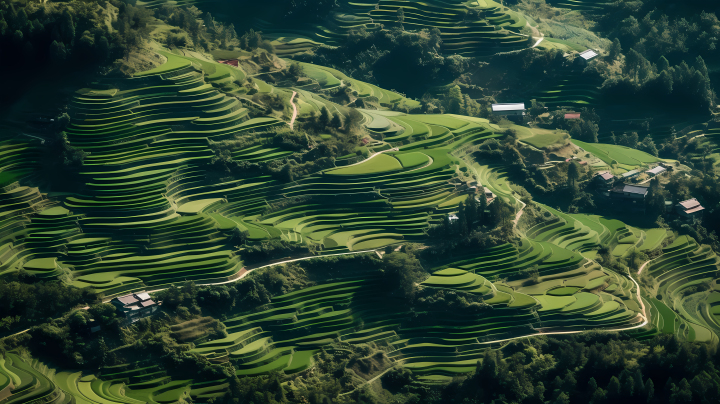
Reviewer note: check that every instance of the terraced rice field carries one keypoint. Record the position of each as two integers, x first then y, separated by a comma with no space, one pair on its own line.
296,325
147,215
581,5
493,29
135,383
613,154
568,88
681,271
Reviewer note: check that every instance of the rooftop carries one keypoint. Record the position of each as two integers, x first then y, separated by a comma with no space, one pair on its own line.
657,170
518,106
631,173
128,299
142,296
635,189
605,175
572,116
588,54
690,204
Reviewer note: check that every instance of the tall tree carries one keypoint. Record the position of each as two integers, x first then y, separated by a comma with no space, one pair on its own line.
573,173
615,49
324,116
462,224
471,210
482,207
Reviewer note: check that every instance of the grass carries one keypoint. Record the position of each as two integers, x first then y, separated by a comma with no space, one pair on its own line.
378,164
619,154
410,160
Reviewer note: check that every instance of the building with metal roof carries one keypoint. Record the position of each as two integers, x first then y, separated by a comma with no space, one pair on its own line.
509,109
604,178
656,171
629,174
690,209
135,306
588,54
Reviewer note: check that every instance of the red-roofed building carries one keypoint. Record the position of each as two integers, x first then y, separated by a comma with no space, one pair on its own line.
690,209
135,306
572,116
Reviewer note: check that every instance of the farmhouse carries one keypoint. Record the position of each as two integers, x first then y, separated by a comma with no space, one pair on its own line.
135,306
488,194
629,192
604,178
690,209
628,197
572,115
656,171
511,110
629,174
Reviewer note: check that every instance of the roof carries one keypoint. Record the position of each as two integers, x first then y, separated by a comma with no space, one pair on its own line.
657,170
572,116
630,173
452,217
605,175
147,303
588,54
634,189
690,204
693,210
128,299
142,296
518,106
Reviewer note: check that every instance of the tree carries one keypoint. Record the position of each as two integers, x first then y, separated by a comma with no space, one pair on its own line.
615,49
402,270
613,389
649,390
662,64
462,220
573,173
490,365
482,206
67,27
648,145
454,100
336,121
57,52
471,211
103,313
536,109
324,117
400,16
103,49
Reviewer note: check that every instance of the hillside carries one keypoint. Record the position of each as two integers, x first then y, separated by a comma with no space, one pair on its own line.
401,202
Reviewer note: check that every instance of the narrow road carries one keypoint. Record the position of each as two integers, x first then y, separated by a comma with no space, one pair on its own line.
376,154
248,271
536,34
292,120
517,215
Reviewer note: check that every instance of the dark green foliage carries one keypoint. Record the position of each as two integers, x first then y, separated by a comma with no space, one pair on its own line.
26,300
402,270
409,62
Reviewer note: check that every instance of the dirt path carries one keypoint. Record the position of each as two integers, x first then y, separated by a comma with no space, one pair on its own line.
292,120
250,270
536,34
376,154
517,215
